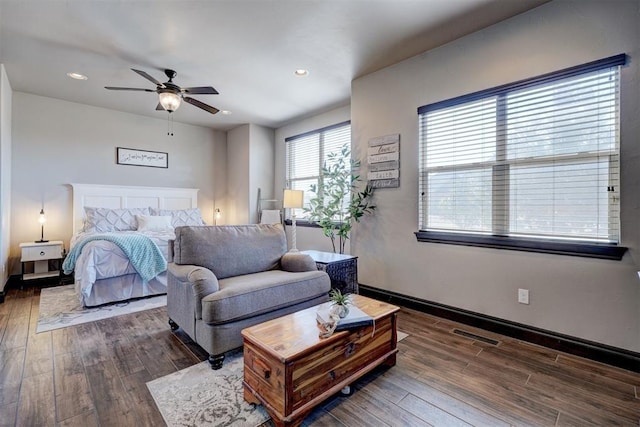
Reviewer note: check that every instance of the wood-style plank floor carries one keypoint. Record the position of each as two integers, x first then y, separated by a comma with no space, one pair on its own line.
94,375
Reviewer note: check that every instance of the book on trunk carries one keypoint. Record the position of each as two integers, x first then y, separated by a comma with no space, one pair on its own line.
354,319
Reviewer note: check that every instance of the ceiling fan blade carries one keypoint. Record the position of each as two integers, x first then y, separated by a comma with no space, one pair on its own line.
128,88
202,105
148,77
201,90
159,107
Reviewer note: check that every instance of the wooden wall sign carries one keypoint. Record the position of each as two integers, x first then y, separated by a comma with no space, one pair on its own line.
383,158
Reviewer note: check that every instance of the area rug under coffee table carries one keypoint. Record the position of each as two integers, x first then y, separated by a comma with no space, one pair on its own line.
60,307
200,396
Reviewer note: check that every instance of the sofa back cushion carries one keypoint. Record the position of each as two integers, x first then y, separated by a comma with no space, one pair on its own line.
231,250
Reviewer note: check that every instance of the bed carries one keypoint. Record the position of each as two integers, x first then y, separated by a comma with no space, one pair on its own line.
117,231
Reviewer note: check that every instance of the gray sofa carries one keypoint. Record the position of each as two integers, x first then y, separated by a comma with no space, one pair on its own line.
222,279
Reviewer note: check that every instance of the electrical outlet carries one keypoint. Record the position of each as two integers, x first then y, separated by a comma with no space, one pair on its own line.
523,296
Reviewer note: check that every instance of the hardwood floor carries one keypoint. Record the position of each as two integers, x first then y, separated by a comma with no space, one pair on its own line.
94,375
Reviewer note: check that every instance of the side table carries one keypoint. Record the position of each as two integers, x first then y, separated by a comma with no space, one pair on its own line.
40,253
342,269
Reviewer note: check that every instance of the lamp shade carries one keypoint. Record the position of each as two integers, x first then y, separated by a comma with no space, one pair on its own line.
293,199
169,101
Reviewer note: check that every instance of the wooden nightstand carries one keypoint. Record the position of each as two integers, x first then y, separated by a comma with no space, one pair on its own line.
342,269
40,254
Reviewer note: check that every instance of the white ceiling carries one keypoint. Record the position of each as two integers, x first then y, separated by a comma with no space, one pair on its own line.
247,50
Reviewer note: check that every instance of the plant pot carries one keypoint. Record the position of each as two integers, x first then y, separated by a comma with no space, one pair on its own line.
340,310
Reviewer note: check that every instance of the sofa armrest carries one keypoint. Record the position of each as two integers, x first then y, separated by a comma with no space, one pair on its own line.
296,262
202,280
186,286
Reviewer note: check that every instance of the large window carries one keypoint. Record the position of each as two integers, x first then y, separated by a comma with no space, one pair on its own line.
308,152
534,159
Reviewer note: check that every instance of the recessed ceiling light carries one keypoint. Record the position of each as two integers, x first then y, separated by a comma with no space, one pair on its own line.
301,73
225,112
77,76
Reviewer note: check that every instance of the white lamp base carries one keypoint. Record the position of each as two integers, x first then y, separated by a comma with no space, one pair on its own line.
293,234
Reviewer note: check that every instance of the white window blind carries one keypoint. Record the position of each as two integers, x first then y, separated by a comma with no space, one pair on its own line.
306,154
538,158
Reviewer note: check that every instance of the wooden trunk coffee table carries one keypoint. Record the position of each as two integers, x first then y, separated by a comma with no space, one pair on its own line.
289,369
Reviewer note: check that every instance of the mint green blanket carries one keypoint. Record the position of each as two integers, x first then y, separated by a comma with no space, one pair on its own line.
144,255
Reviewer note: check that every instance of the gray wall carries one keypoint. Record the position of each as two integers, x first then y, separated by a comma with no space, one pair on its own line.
261,165
5,175
57,142
238,151
596,300
250,151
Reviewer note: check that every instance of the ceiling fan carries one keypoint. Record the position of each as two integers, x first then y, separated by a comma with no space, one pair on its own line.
170,94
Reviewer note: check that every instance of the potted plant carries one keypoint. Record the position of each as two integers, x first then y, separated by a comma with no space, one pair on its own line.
337,202
339,303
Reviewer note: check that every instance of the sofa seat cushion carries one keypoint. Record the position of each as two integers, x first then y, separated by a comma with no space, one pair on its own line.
249,295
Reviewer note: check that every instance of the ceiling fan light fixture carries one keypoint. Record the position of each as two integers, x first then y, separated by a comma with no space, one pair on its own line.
170,95
170,101
77,76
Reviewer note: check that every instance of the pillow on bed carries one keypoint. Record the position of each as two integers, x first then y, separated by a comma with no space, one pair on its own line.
181,217
106,220
154,223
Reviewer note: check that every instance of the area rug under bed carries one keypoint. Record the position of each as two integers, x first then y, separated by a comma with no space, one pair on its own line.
60,308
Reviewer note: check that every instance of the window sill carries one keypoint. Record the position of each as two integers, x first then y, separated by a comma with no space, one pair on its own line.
590,250
302,223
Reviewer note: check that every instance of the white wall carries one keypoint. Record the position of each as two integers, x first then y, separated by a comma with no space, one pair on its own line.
57,142
306,237
597,300
5,175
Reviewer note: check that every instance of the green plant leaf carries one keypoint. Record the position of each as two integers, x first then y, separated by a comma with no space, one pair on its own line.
337,201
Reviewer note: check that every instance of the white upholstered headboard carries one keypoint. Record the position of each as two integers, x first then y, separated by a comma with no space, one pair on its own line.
120,196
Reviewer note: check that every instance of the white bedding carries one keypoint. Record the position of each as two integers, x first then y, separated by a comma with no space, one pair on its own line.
101,259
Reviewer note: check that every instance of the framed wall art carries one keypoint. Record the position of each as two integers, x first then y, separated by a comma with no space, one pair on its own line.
133,157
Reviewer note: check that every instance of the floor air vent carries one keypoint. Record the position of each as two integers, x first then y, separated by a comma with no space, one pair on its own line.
475,337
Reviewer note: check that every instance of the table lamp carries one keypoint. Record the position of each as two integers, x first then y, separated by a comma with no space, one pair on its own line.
42,220
293,199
